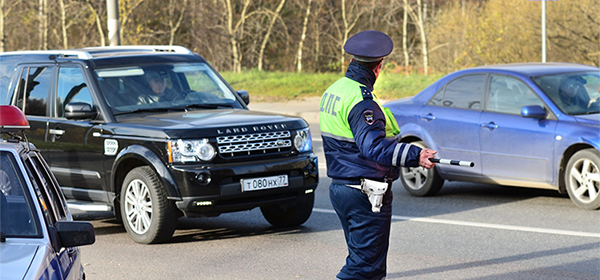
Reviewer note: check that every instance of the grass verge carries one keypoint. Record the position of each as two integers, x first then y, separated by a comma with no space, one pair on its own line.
282,86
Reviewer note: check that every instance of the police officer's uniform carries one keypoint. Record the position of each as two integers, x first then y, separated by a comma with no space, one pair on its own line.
359,142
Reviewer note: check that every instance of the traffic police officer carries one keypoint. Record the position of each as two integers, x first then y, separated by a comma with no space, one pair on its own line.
359,143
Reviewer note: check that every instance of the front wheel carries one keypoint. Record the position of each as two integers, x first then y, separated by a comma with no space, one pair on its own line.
282,216
419,181
147,214
582,179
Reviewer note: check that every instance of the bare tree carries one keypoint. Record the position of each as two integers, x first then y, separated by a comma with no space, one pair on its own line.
63,24
173,27
126,12
43,25
235,31
98,21
4,12
303,37
419,19
405,34
274,17
349,20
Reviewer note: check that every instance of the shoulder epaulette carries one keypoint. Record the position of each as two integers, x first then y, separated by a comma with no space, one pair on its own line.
366,92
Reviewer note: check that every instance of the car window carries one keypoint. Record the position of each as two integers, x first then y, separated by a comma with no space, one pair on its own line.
71,87
45,197
465,92
7,69
508,95
17,211
55,195
31,94
573,93
147,87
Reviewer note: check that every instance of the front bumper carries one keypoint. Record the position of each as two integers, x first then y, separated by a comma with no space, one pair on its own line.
210,190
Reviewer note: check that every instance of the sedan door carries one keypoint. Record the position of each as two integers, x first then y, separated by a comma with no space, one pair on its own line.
451,118
514,147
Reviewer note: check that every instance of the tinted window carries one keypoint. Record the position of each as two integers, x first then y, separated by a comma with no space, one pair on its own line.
71,88
465,92
32,90
17,211
509,95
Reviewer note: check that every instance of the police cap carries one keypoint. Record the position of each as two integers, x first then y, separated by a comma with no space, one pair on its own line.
369,46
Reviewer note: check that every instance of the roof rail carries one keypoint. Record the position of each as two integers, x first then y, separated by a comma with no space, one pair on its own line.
157,48
59,53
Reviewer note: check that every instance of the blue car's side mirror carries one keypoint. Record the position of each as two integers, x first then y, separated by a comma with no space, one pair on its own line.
533,111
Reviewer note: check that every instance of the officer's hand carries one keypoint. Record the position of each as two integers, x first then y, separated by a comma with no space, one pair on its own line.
424,157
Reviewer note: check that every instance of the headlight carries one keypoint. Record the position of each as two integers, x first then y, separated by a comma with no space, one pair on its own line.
302,141
190,150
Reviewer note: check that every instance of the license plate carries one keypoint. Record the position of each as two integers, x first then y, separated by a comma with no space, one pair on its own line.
264,183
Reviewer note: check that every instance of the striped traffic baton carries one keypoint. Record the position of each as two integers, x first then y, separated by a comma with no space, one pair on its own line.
452,162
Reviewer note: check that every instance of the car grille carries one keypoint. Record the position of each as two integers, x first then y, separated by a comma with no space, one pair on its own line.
263,143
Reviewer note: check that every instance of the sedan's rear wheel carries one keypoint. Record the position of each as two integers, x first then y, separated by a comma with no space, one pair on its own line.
582,179
419,181
148,216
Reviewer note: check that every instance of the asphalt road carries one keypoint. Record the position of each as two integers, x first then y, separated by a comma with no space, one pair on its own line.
467,231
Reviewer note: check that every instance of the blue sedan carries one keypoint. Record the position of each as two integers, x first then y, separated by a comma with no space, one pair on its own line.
528,125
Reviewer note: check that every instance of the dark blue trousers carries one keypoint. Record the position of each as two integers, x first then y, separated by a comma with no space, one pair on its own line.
367,233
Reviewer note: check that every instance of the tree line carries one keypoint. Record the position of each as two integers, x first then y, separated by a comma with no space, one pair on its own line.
430,36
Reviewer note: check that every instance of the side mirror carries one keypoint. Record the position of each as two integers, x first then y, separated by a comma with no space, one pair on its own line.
80,110
244,95
533,111
75,233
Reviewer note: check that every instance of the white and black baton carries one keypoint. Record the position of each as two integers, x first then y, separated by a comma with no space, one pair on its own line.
453,162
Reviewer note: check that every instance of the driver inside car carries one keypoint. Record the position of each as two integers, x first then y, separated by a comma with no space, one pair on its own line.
574,96
157,83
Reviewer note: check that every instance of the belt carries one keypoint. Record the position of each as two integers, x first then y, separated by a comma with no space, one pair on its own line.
354,183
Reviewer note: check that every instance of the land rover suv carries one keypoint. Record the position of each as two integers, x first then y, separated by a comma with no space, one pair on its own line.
154,132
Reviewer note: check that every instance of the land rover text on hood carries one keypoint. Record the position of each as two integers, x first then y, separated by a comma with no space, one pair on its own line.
154,132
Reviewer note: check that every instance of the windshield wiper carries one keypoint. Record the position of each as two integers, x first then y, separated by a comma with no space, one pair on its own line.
207,106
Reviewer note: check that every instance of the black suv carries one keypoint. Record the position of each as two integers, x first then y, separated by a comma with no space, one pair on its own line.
154,132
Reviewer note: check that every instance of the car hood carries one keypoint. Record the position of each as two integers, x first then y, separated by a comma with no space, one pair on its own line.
16,259
592,120
205,123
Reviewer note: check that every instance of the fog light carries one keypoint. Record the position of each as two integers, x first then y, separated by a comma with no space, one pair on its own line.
309,191
203,178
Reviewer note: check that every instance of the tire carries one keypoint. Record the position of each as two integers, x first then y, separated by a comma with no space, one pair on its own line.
281,216
147,214
419,181
582,179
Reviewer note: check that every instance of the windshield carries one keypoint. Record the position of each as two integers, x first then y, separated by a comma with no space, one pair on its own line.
574,93
164,87
17,214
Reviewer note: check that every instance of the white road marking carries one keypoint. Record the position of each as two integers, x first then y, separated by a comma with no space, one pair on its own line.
481,225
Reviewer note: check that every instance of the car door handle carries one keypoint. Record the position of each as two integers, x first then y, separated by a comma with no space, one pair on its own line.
58,132
429,117
490,125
